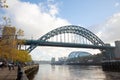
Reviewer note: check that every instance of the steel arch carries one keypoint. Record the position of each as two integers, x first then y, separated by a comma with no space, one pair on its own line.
75,30
71,29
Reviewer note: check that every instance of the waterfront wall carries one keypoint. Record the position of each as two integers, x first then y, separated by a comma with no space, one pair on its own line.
85,64
25,72
30,71
112,65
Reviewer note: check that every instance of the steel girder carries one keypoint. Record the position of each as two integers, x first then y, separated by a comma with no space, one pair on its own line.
74,30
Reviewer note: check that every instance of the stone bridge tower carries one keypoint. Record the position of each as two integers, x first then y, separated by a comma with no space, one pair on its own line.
117,50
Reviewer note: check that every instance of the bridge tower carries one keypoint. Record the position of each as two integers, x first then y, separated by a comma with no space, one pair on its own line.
117,50
108,53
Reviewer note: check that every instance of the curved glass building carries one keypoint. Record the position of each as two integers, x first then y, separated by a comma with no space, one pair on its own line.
76,54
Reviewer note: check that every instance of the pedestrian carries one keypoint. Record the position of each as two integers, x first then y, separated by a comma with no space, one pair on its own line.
20,72
12,66
9,66
1,65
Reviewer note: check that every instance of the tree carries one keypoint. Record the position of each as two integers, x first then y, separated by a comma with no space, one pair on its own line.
9,42
8,46
23,56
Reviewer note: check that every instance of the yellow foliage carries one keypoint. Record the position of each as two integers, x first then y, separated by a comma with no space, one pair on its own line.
24,56
14,54
8,47
20,42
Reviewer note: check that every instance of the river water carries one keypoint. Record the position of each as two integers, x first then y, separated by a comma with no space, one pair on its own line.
74,72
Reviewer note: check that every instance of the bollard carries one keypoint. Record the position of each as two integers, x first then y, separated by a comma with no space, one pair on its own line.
19,73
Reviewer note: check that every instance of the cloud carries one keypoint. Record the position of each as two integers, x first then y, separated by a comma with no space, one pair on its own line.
35,19
117,4
50,7
109,30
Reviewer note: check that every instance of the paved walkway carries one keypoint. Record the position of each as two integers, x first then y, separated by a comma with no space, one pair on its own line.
6,74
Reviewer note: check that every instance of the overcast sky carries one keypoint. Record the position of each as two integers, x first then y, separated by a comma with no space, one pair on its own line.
37,17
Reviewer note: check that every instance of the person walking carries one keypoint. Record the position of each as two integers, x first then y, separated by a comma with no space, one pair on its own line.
12,66
1,65
9,66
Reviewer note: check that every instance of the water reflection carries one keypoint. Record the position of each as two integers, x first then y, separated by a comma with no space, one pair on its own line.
75,72
53,67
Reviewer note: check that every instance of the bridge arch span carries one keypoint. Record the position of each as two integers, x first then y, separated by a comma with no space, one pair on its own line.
73,29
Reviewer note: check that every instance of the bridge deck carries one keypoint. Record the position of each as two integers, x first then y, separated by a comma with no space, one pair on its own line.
60,44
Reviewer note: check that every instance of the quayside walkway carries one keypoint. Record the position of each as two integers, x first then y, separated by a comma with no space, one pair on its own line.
6,74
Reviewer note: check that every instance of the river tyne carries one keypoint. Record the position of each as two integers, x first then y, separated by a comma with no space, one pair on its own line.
73,72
